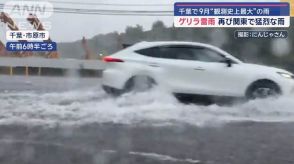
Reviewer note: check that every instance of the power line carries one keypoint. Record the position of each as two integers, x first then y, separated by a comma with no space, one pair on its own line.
107,4
110,12
118,14
111,4
103,10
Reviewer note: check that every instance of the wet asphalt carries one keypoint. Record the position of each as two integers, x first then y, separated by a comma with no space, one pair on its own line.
109,143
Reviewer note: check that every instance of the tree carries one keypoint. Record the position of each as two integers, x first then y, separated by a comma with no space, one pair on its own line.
158,26
134,34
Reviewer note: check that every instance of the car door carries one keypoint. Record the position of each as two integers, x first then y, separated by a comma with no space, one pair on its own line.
211,75
178,70
200,70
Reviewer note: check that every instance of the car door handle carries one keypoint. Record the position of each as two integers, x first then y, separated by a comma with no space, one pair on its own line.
153,65
199,69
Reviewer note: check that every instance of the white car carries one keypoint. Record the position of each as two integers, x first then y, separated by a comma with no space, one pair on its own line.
191,68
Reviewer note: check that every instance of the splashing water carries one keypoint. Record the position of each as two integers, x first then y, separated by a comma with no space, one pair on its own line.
154,107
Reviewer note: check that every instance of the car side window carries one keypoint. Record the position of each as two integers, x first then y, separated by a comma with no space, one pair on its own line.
191,53
183,52
151,52
207,55
170,52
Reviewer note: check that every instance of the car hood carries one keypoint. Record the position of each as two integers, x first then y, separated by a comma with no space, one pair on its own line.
256,67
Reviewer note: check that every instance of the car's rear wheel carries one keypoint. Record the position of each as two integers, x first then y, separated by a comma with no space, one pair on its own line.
139,84
263,89
112,91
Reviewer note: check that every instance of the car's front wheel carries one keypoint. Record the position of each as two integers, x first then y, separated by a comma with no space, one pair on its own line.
263,89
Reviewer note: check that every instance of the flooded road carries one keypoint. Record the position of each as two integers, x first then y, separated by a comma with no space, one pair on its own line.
71,120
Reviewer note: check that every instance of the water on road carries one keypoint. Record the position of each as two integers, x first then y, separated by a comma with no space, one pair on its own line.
74,117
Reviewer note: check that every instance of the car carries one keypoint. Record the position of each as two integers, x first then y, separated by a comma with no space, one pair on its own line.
191,68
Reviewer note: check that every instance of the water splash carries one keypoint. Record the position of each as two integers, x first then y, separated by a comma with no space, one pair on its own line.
156,107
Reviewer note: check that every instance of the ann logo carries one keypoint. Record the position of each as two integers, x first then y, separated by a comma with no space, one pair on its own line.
21,9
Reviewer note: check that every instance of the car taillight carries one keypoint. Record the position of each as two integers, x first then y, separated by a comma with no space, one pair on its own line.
109,59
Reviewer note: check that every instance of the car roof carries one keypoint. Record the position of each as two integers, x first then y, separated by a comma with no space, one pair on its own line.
145,44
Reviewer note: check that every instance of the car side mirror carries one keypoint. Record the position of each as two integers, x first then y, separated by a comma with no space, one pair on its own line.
228,62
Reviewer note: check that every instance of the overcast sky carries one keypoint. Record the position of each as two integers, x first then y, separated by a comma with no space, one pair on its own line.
71,27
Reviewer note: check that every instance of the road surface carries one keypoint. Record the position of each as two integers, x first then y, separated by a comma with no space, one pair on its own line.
70,120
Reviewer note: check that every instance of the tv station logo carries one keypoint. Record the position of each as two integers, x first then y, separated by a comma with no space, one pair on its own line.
235,14
21,9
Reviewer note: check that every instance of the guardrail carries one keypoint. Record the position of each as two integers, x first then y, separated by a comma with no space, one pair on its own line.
43,66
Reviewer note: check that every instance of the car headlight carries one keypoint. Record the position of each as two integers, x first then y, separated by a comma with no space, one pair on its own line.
286,75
